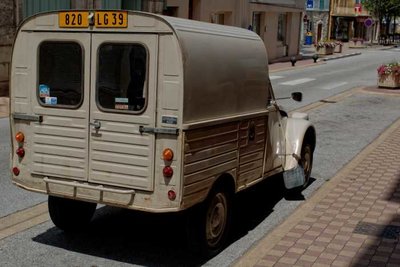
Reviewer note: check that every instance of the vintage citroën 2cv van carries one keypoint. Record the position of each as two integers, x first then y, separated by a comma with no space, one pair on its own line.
150,113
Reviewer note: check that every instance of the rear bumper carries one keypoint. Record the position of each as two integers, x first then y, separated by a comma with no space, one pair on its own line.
112,196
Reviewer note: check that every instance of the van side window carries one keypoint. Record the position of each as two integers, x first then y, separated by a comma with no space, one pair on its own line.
60,74
121,77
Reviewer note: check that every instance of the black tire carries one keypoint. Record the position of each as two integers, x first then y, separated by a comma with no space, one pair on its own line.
70,215
306,162
208,224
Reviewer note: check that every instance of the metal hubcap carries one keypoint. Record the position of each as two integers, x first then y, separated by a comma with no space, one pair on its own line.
216,219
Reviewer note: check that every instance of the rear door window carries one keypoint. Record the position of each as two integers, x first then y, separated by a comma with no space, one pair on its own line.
121,80
60,74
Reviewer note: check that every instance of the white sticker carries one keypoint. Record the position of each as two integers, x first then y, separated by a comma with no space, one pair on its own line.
121,103
51,100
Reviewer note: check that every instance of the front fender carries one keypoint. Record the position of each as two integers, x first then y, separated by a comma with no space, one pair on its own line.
297,130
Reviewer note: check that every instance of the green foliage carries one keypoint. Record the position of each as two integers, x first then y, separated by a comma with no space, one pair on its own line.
382,8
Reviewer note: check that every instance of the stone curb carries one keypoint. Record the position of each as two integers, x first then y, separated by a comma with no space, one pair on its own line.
342,56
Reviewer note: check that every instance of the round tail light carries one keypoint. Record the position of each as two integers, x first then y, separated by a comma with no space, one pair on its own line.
171,195
15,170
20,152
20,137
168,171
168,154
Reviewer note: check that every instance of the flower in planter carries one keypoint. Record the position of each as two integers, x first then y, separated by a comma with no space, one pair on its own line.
325,44
390,68
389,75
355,40
338,43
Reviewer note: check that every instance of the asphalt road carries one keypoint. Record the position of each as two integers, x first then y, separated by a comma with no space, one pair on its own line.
125,238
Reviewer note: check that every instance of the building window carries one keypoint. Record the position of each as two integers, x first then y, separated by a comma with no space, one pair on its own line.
321,4
257,23
60,74
282,27
122,73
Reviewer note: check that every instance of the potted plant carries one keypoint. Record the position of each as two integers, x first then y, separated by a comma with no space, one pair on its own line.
389,75
325,47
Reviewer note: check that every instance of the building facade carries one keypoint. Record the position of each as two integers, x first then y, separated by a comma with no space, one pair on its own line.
347,20
277,22
9,18
316,21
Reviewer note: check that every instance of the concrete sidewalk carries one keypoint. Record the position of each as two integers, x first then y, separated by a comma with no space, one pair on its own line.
4,106
353,220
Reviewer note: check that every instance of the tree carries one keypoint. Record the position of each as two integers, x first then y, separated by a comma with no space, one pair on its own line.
384,11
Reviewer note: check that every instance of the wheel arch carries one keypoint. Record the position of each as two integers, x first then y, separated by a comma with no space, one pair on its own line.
226,182
298,131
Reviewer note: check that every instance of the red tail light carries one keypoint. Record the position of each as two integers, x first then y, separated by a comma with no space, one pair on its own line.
171,195
20,152
15,170
168,171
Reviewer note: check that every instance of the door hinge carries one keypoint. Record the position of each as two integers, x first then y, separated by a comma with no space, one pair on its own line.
143,129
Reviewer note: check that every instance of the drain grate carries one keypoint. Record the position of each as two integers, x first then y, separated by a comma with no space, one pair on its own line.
384,231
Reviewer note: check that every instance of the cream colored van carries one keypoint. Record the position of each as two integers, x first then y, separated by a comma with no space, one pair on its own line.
150,113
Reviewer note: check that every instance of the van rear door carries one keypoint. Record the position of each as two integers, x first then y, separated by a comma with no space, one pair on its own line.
60,96
122,98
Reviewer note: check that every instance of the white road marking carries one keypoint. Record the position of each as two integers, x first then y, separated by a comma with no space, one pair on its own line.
273,77
333,85
298,81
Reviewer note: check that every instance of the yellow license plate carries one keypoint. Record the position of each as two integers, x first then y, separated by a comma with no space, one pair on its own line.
111,19
73,19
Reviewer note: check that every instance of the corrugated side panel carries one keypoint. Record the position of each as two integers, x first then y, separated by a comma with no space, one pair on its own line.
60,150
251,152
121,156
208,153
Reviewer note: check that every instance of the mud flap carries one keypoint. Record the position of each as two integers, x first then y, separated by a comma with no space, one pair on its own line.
294,177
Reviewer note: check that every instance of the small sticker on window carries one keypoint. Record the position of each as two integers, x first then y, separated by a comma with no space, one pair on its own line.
51,100
169,120
44,91
121,103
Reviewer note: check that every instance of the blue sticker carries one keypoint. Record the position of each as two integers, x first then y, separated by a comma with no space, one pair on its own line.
51,100
169,120
44,91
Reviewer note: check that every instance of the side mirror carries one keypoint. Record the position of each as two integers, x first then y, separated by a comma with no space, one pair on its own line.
297,96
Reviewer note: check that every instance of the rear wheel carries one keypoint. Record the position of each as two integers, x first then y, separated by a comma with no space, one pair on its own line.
70,215
208,224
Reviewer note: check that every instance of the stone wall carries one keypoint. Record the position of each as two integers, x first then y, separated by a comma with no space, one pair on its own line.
318,17
7,33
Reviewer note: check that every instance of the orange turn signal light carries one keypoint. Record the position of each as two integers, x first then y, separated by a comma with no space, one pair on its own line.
20,137
168,154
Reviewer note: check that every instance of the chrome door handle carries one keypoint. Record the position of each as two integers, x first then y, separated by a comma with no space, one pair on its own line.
96,124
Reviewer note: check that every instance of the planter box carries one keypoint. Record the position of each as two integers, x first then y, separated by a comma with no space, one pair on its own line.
389,81
325,50
338,49
357,44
